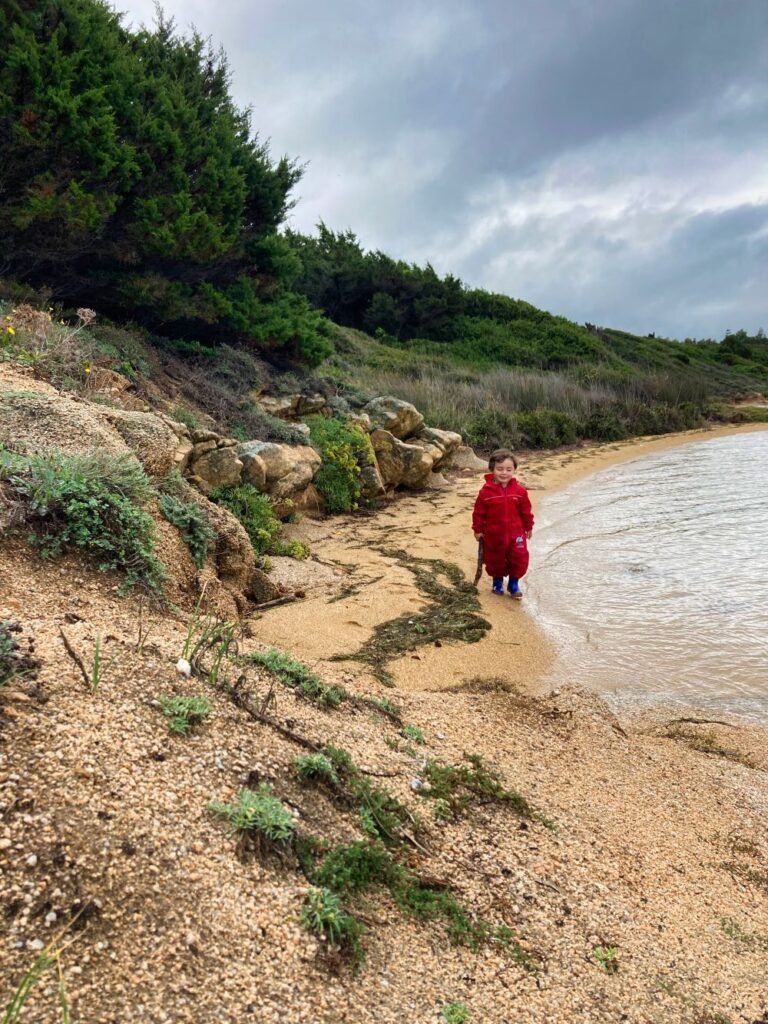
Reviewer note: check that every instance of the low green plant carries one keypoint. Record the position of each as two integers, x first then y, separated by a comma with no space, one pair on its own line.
298,677
607,958
323,915
413,733
189,518
353,869
257,514
98,670
185,713
455,1013
385,706
92,502
185,416
346,450
317,767
258,815
455,788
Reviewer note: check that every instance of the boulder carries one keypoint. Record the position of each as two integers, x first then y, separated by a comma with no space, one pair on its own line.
371,483
309,404
464,458
287,468
448,440
254,468
309,500
283,407
115,388
401,419
400,464
218,468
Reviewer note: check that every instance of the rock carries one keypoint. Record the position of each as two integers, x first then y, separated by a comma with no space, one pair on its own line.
288,468
147,435
114,387
183,667
360,419
233,555
261,588
309,404
43,421
254,468
221,467
448,440
401,419
400,464
371,483
182,454
201,436
309,500
464,458
283,407
203,447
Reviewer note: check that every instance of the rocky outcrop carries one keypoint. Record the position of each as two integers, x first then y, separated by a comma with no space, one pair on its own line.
291,407
149,436
288,469
400,464
447,440
401,419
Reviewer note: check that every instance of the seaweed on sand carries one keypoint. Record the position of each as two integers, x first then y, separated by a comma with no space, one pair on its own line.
451,615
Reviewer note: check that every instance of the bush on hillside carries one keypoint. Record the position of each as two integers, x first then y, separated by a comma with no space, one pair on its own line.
257,515
92,502
346,450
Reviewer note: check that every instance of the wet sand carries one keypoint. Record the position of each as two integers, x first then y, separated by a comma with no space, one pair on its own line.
436,524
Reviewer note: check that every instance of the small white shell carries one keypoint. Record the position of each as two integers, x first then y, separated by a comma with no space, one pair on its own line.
183,667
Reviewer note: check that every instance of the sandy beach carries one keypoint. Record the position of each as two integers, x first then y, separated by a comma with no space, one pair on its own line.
435,525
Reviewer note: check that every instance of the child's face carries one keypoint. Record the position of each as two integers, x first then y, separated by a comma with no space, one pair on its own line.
504,471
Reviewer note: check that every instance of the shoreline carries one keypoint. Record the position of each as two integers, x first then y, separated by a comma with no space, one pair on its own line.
517,641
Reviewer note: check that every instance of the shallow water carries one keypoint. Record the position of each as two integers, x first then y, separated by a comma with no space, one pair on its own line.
652,577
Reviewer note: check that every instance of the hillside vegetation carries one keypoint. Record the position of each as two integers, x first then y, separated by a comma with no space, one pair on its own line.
133,185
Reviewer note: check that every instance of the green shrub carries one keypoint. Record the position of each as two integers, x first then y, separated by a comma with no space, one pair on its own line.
317,767
189,518
257,813
322,914
605,424
413,733
455,1013
92,502
184,713
356,867
255,512
346,449
546,428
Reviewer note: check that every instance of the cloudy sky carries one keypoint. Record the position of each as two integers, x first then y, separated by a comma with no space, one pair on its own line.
604,159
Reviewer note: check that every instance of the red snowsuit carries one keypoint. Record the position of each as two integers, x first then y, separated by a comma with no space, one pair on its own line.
503,515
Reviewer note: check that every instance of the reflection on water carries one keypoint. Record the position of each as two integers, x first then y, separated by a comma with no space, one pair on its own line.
653,576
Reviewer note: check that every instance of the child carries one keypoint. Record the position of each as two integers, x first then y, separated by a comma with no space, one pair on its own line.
503,519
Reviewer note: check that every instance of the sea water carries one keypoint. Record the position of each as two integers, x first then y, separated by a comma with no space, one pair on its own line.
652,577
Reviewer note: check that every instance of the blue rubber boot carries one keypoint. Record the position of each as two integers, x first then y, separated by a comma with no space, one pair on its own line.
514,588
498,585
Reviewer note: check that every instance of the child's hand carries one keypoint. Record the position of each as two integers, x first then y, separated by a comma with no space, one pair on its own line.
529,534
478,536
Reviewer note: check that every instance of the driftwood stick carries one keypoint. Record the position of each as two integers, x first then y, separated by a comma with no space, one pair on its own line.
75,657
285,599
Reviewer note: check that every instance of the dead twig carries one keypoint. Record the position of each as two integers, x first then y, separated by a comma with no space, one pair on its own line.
285,599
75,657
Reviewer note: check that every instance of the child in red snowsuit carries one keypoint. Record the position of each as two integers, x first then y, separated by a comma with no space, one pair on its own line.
503,519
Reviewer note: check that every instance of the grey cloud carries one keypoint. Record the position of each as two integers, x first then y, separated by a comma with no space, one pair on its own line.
445,129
